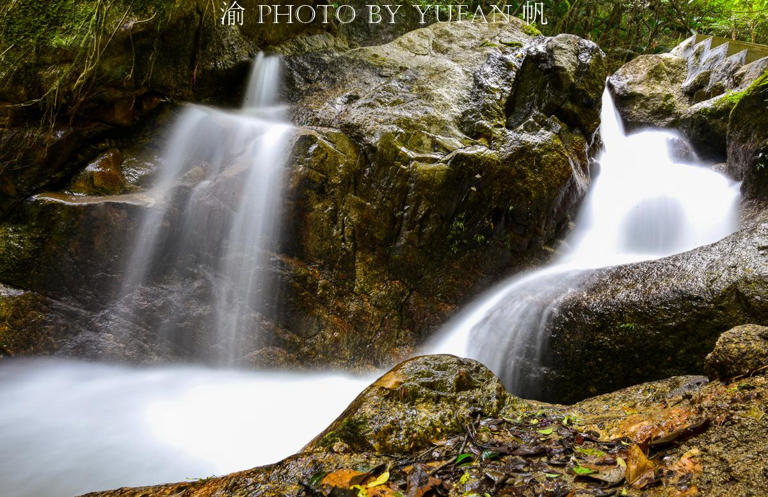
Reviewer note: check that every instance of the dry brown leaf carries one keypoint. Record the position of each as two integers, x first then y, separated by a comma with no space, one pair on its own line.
390,381
609,474
382,491
659,427
640,469
687,463
343,478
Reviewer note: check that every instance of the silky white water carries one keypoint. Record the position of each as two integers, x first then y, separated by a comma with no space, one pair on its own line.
643,205
69,427
214,223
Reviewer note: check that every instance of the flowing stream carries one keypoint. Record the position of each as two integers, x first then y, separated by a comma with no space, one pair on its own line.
644,204
68,427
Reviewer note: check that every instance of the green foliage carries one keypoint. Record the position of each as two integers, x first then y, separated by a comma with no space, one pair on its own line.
582,471
72,37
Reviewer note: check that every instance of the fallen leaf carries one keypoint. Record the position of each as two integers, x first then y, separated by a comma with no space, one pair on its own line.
640,469
582,470
390,381
608,474
590,452
343,478
381,480
659,427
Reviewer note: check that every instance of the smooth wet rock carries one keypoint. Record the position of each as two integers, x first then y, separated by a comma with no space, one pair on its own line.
69,247
647,90
102,177
654,319
738,352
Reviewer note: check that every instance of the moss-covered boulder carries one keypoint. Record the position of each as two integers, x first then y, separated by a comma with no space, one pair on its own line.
692,89
405,409
748,139
430,165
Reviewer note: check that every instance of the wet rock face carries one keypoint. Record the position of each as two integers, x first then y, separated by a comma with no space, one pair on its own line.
748,140
156,51
658,318
422,168
430,164
692,89
739,351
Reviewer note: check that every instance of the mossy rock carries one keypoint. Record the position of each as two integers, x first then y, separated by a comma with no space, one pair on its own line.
738,352
420,399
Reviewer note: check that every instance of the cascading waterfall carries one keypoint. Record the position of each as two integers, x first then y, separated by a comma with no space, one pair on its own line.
644,204
69,427
214,221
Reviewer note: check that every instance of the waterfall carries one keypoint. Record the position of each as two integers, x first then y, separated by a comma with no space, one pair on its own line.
214,221
199,264
644,204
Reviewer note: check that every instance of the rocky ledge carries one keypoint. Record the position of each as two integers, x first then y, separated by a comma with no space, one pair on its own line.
441,425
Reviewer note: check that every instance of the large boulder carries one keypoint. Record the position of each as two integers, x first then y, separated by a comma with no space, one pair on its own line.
439,425
402,411
692,89
433,163
654,319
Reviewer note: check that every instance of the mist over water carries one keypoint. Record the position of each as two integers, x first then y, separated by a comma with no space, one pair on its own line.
642,205
70,427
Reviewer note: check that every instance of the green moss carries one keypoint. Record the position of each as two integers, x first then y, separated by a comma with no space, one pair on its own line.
350,431
531,30
758,84
50,51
